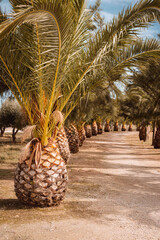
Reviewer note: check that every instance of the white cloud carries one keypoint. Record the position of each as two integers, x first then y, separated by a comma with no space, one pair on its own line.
148,33
5,6
118,1
123,3
108,16
126,1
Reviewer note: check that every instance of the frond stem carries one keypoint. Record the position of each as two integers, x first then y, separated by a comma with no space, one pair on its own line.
78,82
44,137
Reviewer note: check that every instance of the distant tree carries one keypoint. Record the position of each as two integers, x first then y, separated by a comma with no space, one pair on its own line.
12,115
142,99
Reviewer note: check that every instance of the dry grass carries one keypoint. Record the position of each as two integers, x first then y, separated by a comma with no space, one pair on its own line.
9,157
9,151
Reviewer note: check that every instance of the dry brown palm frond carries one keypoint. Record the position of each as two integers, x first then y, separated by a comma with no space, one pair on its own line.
33,148
25,152
38,154
27,132
57,117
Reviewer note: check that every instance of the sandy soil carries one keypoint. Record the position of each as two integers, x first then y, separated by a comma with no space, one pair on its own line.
113,194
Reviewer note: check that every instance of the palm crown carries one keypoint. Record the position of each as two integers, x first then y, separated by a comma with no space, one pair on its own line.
48,53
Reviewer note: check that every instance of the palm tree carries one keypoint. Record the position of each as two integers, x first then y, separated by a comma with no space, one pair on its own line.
135,107
116,126
107,126
81,133
123,126
146,84
94,128
96,103
73,138
130,127
63,144
47,51
99,124
88,130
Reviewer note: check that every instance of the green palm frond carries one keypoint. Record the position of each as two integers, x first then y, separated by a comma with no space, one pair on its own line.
130,57
144,91
49,52
47,41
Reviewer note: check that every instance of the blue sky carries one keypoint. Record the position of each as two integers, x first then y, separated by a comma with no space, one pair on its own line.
109,8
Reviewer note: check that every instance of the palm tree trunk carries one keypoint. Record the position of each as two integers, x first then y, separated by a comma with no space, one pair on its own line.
100,129
82,135
63,144
107,127
94,128
116,126
130,127
45,184
123,127
88,129
73,138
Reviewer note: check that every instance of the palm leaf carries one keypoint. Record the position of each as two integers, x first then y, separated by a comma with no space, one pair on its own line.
54,54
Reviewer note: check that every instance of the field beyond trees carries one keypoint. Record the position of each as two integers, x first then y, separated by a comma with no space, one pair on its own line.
113,193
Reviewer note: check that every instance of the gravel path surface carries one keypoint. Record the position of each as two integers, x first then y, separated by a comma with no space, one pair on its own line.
113,194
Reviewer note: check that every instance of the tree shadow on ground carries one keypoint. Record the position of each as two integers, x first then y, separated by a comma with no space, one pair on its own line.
7,174
10,142
13,204
119,153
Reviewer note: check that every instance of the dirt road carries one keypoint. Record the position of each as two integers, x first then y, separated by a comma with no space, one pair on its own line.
113,194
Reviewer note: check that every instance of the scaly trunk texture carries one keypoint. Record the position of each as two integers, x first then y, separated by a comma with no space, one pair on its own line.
138,128
73,138
157,138
116,126
44,185
130,128
94,129
123,127
88,131
82,135
100,129
143,134
63,145
107,127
